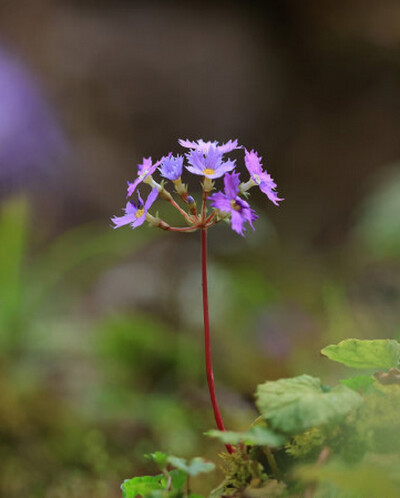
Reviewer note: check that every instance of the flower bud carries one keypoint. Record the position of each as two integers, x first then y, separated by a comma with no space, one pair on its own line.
192,204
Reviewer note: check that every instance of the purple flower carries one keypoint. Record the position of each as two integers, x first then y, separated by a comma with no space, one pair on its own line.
204,146
33,146
230,202
147,168
171,167
260,177
209,164
135,213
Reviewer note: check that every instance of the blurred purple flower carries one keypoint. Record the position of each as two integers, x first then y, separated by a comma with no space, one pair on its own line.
171,167
209,164
230,202
261,178
147,168
135,213
32,144
203,146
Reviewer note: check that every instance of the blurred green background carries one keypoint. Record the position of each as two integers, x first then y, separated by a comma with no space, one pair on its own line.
101,354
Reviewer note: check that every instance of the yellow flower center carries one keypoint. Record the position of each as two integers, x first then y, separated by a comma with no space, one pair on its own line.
209,171
235,206
139,213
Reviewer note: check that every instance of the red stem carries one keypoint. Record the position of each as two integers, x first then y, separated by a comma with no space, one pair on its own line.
180,229
182,211
209,367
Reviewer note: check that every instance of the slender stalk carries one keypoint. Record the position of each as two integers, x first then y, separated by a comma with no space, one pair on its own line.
209,367
210,218
187,217
180,229
272,462
204,208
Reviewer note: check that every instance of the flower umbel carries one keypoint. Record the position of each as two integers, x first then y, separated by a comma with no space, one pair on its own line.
210,160
205,159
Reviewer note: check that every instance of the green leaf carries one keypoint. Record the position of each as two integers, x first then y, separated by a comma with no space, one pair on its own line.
356,353
159,458
359,383
13,245
196,466
363,480
143,486
178,479
256,436
159,493
294,405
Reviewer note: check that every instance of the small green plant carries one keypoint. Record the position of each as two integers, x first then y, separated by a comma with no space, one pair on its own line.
311,439
209,161
174,480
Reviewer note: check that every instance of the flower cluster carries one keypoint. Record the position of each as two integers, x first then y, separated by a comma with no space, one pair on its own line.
208,160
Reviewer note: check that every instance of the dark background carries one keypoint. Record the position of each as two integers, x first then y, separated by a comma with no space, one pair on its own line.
101,352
